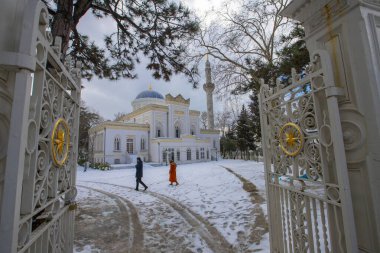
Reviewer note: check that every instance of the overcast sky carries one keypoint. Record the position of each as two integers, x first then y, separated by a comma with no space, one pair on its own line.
110,97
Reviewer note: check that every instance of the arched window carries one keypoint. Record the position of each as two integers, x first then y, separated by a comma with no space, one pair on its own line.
202,153
197,154
188,152
116,143
177,129
192,130
159,128
142,144
130,146
178,155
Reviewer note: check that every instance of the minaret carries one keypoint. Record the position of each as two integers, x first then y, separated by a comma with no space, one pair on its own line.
209,88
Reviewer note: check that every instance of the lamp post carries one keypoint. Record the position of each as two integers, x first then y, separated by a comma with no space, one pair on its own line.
167,156
104,145
251,154
159,157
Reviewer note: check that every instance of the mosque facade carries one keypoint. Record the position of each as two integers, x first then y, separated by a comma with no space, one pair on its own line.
158,129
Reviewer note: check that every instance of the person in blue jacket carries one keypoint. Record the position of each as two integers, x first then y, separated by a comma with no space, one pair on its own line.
139,174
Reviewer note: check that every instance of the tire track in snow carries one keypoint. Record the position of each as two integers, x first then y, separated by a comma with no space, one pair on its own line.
210,234
130,221
260,224
248,186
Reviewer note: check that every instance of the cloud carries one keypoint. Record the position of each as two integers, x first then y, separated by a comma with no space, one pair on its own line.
110,97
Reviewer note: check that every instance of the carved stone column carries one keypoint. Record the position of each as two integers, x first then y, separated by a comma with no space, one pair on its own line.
350,31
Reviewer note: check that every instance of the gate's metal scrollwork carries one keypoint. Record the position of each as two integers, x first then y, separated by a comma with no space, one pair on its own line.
49,147
309,202
60,142
50,161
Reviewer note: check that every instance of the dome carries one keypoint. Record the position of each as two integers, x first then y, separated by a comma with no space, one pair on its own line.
150,94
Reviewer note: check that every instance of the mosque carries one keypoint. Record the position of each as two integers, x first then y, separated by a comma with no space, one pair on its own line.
157,130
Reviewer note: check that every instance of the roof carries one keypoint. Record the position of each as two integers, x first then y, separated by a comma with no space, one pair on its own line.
118,125
149,94
177,99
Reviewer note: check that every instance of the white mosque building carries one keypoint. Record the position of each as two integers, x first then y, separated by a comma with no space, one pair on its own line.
157,130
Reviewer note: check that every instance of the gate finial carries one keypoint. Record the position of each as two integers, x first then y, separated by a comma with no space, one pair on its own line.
262,82
294,75
57,45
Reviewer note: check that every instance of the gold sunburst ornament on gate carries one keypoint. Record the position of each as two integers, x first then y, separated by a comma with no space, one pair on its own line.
60,141
291,139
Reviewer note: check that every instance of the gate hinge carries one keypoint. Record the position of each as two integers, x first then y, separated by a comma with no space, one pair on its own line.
73,206
334,91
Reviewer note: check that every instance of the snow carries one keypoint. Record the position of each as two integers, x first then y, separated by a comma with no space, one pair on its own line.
207,190
88,249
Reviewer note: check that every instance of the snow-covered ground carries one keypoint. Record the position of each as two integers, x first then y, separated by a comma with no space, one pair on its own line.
217,207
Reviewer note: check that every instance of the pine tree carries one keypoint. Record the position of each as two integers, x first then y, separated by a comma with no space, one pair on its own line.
244,132
228,143
158,30
294,54
254,120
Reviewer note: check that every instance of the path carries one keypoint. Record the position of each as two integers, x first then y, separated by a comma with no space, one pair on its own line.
260,226
131,234
127,216
216,213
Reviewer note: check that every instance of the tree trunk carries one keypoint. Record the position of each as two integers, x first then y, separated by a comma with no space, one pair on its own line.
63,23
66,19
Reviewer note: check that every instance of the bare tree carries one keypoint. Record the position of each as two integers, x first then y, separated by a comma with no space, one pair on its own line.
223,119
233,105
118,116
246,34
204,120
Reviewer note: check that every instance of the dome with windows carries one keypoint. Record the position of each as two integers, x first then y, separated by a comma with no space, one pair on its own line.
149,94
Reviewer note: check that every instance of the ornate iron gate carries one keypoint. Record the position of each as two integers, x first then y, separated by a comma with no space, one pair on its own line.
309,201
38,188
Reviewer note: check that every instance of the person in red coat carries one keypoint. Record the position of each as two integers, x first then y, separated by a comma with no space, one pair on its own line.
172,173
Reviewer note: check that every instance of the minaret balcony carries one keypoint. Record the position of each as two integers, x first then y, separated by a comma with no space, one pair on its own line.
209,87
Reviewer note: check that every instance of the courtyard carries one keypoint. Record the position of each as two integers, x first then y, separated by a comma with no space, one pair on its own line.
218,207
294,83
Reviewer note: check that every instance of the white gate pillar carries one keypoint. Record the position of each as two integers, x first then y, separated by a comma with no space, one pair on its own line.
14,163
350,31
19,20
11,24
